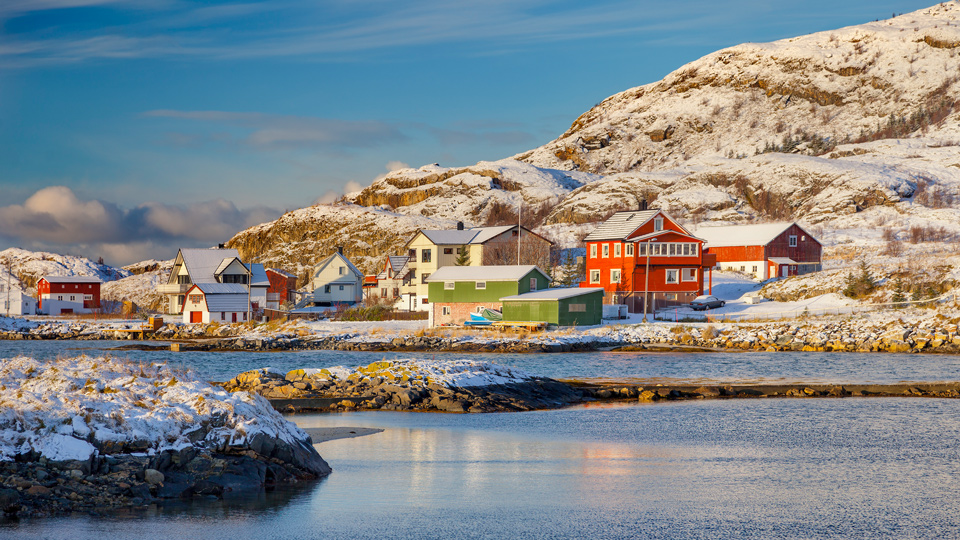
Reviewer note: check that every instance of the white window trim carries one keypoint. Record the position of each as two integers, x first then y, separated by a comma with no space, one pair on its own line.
480,285
676,274
629,251
445,310
792,240
617,250
605,251
593,251
684,278
594,273
449,285
617,279
657,224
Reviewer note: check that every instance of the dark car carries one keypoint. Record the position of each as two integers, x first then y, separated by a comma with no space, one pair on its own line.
704,302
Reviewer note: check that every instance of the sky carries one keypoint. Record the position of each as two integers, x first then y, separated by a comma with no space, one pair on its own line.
130,128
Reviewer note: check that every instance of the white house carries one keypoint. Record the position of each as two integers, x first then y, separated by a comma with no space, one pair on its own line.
15,302
199,266
215,302
335,280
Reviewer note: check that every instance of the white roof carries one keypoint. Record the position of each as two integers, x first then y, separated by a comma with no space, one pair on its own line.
283,273
202,264
782,260
483,273
71,279
742,235
554,294
475,235
258,275
222,288
620,225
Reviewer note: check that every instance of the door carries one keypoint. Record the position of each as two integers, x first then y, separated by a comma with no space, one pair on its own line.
784,270
196,316
234,317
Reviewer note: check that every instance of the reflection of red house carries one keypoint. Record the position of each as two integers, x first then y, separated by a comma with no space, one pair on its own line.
622,249
282,287
766,250
68,294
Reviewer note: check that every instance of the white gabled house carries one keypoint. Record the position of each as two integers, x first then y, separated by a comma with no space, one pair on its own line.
335,280
214,266
15,302
215,302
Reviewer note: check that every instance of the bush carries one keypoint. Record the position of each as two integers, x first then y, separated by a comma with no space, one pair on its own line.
860,285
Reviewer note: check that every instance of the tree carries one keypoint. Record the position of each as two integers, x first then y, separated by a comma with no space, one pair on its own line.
572,272
463,256
898,297
858,286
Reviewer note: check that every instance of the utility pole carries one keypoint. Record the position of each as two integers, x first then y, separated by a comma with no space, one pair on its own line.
519,229
9,275
249,279
646,282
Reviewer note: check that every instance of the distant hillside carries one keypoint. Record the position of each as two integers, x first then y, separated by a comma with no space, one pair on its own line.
852,129
27,267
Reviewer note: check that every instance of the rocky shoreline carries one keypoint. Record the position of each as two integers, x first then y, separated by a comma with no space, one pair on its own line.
934,334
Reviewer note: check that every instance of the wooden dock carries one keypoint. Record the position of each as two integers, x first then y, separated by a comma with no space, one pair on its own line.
141,332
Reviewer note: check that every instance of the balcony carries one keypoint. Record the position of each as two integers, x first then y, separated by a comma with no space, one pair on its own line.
174,288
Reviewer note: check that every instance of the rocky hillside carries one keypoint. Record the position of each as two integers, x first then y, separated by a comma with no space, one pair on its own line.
27,267
855,129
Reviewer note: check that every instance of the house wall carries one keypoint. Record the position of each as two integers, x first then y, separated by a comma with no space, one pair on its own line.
47,290
466,292
52,306
557,311
343,293
17,303
459,311
352,283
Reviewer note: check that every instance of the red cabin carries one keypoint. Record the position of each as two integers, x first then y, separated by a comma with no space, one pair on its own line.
68,294
282,287
766,250
646,260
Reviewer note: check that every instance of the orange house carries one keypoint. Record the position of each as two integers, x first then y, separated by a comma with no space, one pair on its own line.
646,260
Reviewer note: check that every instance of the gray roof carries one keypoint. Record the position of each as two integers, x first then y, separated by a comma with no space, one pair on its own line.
224,296
283,273
620,225
399,265
475,235
72,279
258,276
484,273
202,264
554,294
323,264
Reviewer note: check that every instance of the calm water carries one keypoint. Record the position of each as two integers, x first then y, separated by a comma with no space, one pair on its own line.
861,468
829,468
782,367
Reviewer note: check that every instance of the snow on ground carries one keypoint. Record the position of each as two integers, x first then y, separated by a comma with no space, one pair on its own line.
450,373
63,408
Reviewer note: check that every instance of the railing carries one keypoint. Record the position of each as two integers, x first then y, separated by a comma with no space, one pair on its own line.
174,288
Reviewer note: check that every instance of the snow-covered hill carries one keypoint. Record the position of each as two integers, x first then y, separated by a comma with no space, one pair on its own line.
27,267
853,132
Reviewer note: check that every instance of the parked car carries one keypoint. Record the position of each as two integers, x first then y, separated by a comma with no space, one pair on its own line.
704,302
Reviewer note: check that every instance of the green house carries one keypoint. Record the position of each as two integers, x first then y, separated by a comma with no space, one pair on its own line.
563,307
476,284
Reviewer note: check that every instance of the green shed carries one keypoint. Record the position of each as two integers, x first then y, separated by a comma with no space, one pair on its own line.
457,291
576,306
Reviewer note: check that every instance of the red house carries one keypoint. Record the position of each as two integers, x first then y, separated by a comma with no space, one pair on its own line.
646,260
68,294
281,289
766,250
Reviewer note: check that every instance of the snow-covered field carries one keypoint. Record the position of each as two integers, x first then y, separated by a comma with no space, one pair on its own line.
66,409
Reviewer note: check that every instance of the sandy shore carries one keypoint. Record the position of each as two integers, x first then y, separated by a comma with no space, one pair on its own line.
322,435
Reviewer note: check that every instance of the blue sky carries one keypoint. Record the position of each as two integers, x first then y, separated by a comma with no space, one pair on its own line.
130,128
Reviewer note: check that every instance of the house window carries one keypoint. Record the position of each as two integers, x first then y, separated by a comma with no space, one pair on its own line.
423,277
606,250
341,287
657,224
577,308
793,240
73,298
642,250
616,250
88,297
425,255
673,276
244,315
594,276
743,268
445,310
326,289
670,296
449,285
614,276
629,250
754,269
383,292
689,274
593,251
425,300
412,254
803,238
196,298
343,270
223,315
673,249
59,297
481,285
396,292
448,251
533,284
686,249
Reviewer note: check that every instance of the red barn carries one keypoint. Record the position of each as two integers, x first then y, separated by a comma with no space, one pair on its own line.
68,294
766,250
282,287
645,257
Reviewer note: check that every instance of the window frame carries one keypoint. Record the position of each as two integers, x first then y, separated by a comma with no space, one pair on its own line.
449,285
683,276
792,240
618,273
676,276
593,251
628,252
480,285
596,273
605,251
618,250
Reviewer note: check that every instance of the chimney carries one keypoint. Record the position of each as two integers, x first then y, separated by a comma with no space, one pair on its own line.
340,250
643,204
220,246
459,225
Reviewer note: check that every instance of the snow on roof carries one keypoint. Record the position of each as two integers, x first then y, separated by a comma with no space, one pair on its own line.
71,279
283,273
483,273
620,225
222,288
782,260
224,296
258,275
554,294
486,233
742,235
202,264
475,235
